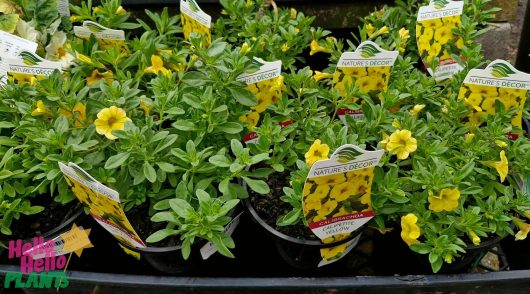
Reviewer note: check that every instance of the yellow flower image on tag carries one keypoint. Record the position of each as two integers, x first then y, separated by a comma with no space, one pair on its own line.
190,25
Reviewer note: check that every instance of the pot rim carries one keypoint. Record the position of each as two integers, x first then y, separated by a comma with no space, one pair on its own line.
284,237
66,223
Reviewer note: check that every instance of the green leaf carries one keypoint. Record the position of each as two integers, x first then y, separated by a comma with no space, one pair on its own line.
116,160
149,172
160,235
6,125
290,218
230,128
167,167
236,146
257,186
243,96
181,207
184,125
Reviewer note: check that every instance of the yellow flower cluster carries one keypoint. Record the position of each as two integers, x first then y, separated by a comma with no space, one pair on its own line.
316,152
190,25
267,92
447,200
410,231
400,143
371,80
433,34
334,253
338,195
110,119
481,101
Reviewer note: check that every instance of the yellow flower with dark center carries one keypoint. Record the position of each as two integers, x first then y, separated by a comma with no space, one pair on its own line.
24,78
312,202
474,99
315,48
264,100
333,252
322,75
321,191
78,113
501,166
330,179
474,237
428,34
432,23
251,119
96,76
524,228
317,151
110,119
327,207
410,231
401,143
366,84
447,200
443,35
435,49
343,191
157,66
357,72
40,110
485,91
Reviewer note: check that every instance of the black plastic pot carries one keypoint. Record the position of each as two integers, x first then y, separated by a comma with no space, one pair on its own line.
298,253
526,126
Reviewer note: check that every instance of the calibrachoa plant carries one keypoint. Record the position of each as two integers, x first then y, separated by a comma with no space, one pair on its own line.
160,118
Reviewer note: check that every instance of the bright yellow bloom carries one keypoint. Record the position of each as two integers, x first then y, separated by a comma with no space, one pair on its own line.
443,35
330,180
448,258
96,76
410,232
285,47
293,13
448,200
40,110
500,143
321,75
435,49
84,58
24,78
110,119
381,31
251,119
396,124
469,138
97,10
474,237
385,140
315,48
78,112
369,29
121,10
327,207
343,191
244,49
417,109
402,144
501,166
404,33
333,252
524,228
157,65
318,151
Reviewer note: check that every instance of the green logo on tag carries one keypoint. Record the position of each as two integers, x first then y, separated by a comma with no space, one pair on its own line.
29,58
500,70
193,6
347,155
95,28
439,4
369,50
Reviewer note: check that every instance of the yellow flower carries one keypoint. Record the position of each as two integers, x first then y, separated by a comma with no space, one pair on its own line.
84,58
321,75
24,78
333,252
251,119
500,143
244,49
385,140
293,13
474,237
110,119
121,10
146,107
459,43
285,47
435,49
402,144
331,180
448,200
343,191
96,76
318,151
78,112
157,65
486,91
417,109
264,100
448,258
443,35
315,48
381,31
396,124
501,166
410,232
524,228
40,110
327,207
367,83
469,138
97,10
404,33
369,29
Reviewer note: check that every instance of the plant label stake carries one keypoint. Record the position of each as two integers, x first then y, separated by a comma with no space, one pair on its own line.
10,47
267,85
337,197
436,41
499,82
63,6
29,65
209,249
195,20
103,204
106,37
368,68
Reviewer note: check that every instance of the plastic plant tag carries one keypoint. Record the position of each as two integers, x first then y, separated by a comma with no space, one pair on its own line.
106,37
337,193
332,254
435,38
499,81
28,66
195,20
103,204
368,68
10,47
70,241
208,249
63,6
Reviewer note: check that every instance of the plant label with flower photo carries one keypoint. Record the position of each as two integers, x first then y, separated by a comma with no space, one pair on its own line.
499,81
195,20
436,39
337,193
209,249
63,6
332,254
103,204
368,68
106,37
266,84
28,66
10,47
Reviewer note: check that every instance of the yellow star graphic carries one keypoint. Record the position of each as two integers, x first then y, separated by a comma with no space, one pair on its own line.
76,240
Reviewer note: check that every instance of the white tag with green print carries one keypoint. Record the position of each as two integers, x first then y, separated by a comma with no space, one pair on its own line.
337,192
499,81
63,6
435,37
195,20
368,68
27,65
100,32
266,71
10,47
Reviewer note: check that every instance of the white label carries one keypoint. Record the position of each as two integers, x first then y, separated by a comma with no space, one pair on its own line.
208,249
351,244
99,31
368,54
267,71
432,11
355,114
499,74
194,11
64,7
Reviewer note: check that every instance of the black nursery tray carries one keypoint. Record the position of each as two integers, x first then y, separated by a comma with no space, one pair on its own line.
379,264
